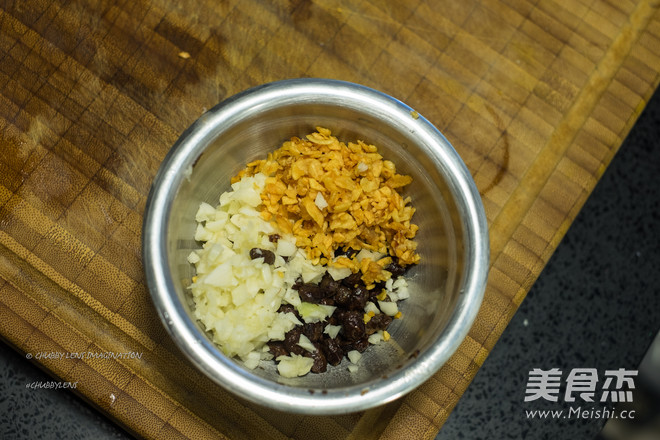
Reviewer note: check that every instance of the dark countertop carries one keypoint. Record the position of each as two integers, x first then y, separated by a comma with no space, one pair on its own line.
595,305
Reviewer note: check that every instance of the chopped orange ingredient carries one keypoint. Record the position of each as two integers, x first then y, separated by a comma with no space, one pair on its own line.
333,195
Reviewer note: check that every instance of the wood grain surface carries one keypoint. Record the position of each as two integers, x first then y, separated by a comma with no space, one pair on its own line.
536,96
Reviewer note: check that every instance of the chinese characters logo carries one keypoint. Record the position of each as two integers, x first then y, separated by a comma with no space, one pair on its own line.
581,383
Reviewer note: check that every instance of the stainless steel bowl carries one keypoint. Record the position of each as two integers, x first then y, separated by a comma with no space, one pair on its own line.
446,287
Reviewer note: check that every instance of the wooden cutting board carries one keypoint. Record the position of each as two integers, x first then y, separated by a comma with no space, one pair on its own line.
536,96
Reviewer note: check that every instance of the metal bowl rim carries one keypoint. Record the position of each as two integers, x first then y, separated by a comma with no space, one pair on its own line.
208,358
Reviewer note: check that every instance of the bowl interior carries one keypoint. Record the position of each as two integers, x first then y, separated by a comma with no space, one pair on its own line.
434,282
